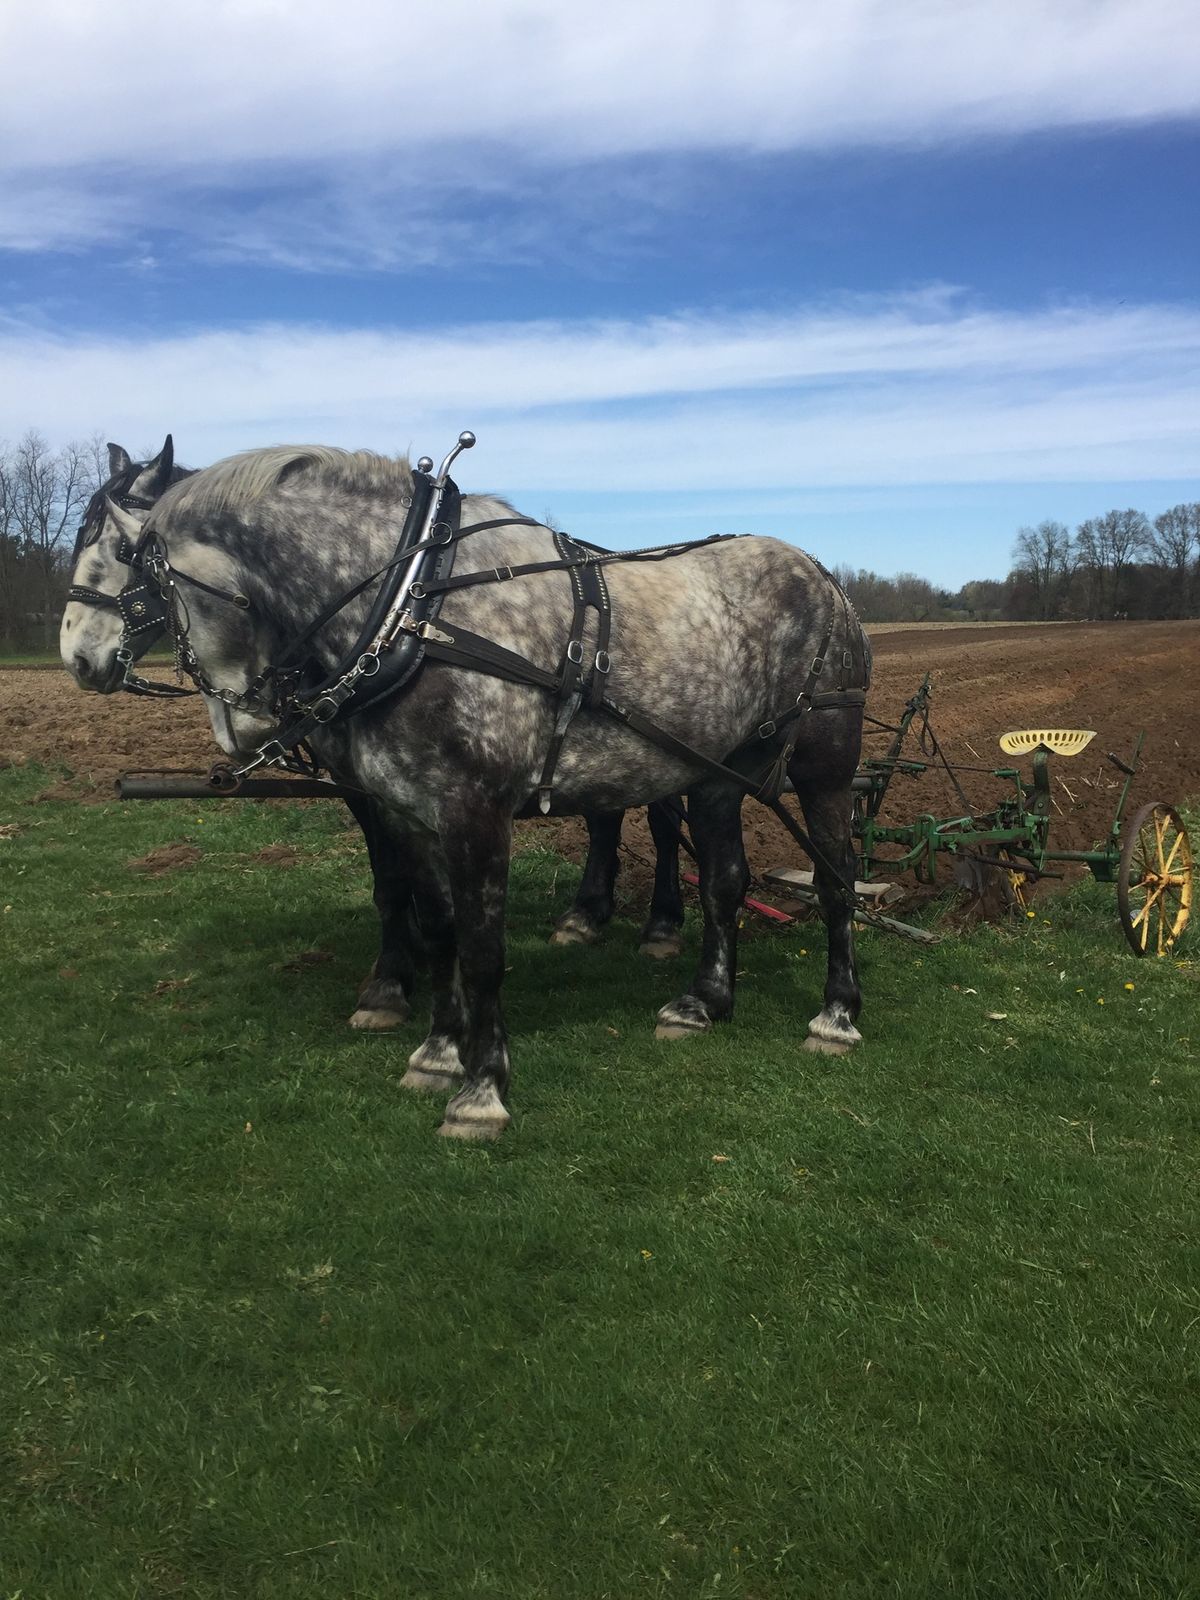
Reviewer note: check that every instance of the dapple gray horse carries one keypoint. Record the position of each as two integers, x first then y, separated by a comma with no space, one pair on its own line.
715,643
383,1000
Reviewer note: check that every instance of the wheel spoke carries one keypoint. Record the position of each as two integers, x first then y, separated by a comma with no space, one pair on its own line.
1169,862
1154,888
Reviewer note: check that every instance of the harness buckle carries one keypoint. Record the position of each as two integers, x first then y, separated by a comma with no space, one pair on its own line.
766,729
575,652
426,630
503,574
847,660
603,662
417,591
818,666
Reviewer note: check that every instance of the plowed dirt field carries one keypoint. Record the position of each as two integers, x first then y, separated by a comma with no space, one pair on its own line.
1113,677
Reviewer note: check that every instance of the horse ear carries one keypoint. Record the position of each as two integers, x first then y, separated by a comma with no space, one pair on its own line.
125,522
118,460
160,468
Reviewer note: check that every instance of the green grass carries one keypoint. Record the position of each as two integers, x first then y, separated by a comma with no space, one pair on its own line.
48,656
929,1330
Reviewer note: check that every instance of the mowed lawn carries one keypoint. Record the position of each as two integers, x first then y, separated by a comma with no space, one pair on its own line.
719,1318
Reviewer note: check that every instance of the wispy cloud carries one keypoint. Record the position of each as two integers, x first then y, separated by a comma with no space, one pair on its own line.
916,388
127,114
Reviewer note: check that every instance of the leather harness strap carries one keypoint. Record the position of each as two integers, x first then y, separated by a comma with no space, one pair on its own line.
590,593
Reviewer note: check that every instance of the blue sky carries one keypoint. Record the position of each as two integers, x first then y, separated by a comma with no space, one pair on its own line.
890,281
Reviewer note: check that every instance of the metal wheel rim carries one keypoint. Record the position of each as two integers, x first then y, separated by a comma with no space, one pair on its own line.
1154,887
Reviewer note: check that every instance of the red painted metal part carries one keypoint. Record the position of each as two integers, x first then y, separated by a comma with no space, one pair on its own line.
771,912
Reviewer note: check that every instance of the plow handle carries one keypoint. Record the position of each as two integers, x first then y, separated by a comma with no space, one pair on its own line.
162,786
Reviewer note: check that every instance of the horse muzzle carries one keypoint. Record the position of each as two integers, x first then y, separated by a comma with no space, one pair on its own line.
97,678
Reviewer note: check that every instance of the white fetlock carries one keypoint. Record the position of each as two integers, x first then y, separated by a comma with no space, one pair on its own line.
475,1113
831,1032
665,948
678,1021
434,1067
574,929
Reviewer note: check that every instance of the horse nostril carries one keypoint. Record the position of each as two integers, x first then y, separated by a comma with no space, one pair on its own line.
83,668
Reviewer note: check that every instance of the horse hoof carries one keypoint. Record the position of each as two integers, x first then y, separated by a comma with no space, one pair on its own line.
381,1021
479,1132
827,1047
831,1032
434,1067
661,949
573,928
683,1019
475,1113
681,1030
383,999
422,1082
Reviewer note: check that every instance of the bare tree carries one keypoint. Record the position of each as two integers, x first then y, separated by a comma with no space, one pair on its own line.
1109,545
42,495
1170,543
1045,557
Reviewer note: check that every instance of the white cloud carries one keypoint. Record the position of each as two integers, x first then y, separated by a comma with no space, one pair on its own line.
225,84
910,389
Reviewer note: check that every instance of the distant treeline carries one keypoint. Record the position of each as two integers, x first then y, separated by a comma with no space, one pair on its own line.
1117,565
1121,564
42,496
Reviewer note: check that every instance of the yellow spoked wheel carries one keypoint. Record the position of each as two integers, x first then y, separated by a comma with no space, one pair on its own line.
1154,888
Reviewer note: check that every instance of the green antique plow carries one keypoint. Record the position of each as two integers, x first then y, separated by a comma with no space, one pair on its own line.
1150,860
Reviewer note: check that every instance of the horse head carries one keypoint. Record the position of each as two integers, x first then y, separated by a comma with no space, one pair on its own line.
94,625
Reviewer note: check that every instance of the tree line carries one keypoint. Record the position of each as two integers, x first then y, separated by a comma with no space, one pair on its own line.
43,492
1121,564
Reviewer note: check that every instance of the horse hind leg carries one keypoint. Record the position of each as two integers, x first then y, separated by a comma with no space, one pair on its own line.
594,901
716,819
827,814
662,935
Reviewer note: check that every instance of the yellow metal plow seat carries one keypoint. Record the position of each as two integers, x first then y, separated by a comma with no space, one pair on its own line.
1060,741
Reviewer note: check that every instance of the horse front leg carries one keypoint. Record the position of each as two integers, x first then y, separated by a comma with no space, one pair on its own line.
593,905
477,839
383,999
436,1066
662,936
715,812
827,815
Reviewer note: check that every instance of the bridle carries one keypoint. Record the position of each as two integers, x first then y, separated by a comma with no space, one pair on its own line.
149,604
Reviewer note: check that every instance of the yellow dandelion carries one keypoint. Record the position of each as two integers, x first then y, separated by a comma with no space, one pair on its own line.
1099,999
647,1255
1129,988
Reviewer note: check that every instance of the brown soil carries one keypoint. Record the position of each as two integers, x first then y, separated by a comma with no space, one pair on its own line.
1113,677
165,858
